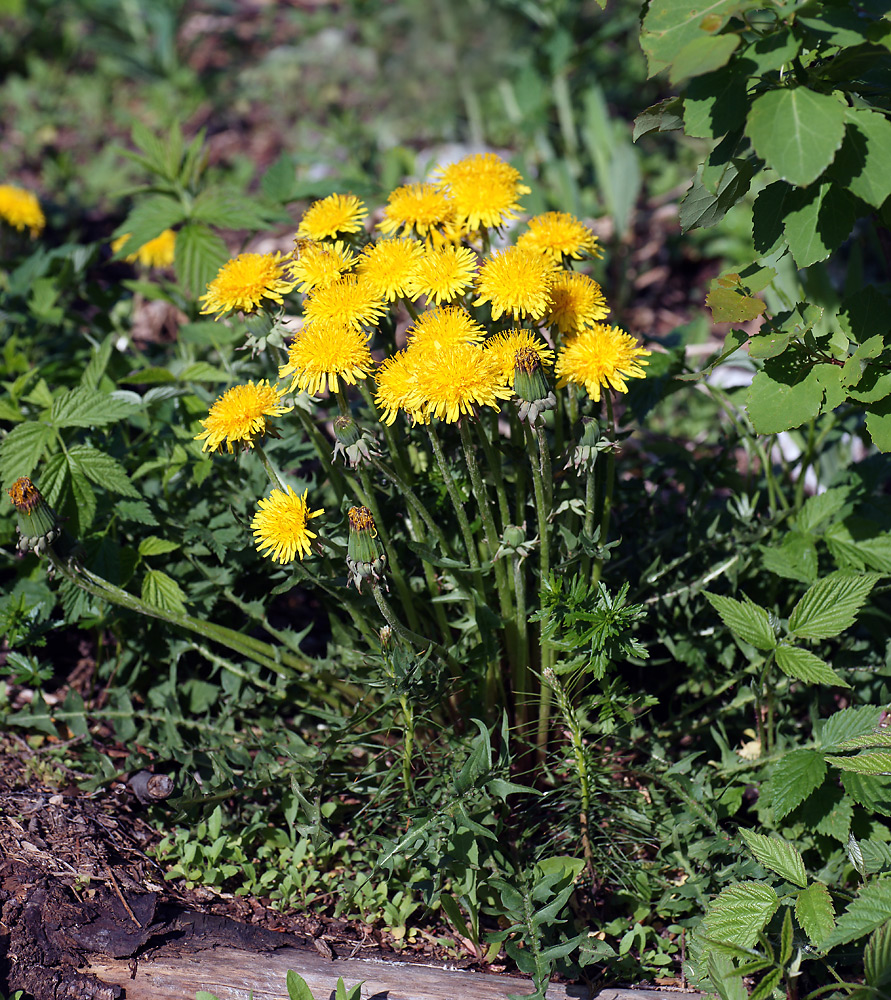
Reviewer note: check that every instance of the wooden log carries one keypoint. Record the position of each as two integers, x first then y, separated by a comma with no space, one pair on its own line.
230,974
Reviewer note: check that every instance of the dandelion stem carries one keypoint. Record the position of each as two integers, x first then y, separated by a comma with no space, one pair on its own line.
412,638
395,451
271,472
413,500
495,463
544,458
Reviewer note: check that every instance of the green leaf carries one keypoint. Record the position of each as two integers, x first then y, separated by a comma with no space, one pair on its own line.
204,995
849,724
731,301
724,978
715,104
154,546
225,208
869,910
768,214
148,219
818,220
815,912
877,958
97,364
740,912
793,779
768,984
777,404
297,988
278,181
831,605
746,619
796,132
805,666
777,855
871,791
161,591
669,26
84,407
864,312
868,762
102,469
769,54
861,164
666,116
878,423
703,54
703,208
22,449
200,253
795,559
821,507
875,854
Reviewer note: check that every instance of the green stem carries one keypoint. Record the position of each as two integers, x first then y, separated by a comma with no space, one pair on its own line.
521,672
495,462
412,638
271,472
610,478
323,450
544,460
460,513
396,453
413,500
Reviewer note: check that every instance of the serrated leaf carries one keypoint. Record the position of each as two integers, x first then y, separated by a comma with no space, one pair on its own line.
831,605
861,165
849,724
703,54
817,221
97,364
84,407
669,26
868,762
768,214
855,855
226,208
878,424
815,912
820,508
774,405
877,957
666,116
793,779
746,619
161,591
767,985
869,910
154,546
795,559
703,208
22,449
777,855
740,912
871,791
724,978
796,131
297,988
102,469
200,253
875,856
715,104
805,666
148,219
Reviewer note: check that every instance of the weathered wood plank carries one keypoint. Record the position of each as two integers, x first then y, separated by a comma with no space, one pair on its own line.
230,974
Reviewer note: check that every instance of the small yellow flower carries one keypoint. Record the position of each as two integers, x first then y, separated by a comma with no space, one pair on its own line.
484,189
240,415
158,252
338,213
317,265
576,302
348,302
456,379
505,347
439,327
516,282
559,235
322,354
418,209
444,274
243,282
389,267
396,387
280,526
601,356
21,209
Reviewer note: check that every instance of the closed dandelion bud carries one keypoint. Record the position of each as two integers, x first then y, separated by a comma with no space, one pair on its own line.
584,455
38,524
531,386
365,555
355,445
514,543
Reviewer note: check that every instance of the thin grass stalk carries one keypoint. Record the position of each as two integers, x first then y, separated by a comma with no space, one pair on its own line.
608,485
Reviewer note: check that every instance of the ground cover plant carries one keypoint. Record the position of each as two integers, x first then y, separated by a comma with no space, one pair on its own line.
455,604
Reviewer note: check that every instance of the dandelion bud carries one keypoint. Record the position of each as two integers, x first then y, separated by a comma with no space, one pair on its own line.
531,386
355,445
514,543
38,524
365,555
584,455
386,634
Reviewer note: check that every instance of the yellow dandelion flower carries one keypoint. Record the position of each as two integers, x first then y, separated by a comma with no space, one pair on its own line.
484,189
419,209
159,252
348,302
516,282
438,328
506,346
456,379
338,213
324,353
444,273
280,525
576,302
559,235
601,356
396,380
243,282
240,415
317,265
21,209
389,267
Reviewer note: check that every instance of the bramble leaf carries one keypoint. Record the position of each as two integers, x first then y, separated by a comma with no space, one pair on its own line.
815,912
746,619
805,666
777,855
869,910
740,912
831,605
793,779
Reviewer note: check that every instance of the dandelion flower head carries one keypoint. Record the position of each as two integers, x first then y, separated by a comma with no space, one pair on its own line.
506,346
438,328
350,302
338,213
21,209
455,380
444,273
559,235
317,265
324,353
516,282
576,302
389,267
239,415
245,281
396,380
484,189
280,525
604,356
420,209
159,252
